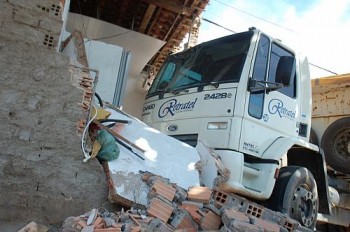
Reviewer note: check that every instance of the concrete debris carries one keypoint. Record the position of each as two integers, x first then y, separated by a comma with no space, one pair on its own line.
92,217
202,210
126,172
34,227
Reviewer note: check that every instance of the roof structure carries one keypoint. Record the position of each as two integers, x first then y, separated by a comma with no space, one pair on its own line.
167,20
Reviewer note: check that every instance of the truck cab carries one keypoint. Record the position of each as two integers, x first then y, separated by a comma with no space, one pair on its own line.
248,97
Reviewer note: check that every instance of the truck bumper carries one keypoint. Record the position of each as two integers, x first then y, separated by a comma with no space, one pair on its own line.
255,180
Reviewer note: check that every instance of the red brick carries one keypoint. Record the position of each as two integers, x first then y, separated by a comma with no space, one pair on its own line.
199,194
135,228
182,220
254,210
164,190
193,210
289,225
99,223
220,198
266,225
164,228
230,213
210,221
82,223
160,209
146,176
117,225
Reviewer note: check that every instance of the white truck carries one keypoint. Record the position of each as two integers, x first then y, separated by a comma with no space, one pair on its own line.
248,97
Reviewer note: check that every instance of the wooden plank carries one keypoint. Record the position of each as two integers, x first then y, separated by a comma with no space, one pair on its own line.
337,81
147,17
115,134
171,5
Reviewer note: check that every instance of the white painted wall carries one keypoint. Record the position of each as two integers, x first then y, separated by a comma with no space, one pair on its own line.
106,59
103,57
142,48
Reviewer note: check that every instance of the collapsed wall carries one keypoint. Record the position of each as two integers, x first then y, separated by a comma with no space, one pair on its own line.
42,175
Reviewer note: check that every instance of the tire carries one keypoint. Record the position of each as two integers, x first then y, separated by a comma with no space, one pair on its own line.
313,137
336,145
295,194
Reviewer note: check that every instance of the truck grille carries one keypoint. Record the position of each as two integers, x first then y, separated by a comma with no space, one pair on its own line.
190,139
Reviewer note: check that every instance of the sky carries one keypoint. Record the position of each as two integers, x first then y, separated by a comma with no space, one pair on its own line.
320,29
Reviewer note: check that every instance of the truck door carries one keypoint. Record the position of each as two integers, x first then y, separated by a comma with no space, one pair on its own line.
269,114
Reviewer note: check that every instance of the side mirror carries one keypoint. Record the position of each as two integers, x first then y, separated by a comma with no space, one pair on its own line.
285,70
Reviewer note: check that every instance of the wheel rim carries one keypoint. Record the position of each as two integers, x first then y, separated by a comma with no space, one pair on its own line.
304,206
342,143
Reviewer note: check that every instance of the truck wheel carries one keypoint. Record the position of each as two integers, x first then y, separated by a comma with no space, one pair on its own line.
295,194
336,145
313,137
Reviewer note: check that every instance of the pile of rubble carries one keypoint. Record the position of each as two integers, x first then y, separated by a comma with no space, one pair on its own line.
172,208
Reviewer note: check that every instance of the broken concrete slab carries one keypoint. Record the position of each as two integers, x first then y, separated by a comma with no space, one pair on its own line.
206,166
164,156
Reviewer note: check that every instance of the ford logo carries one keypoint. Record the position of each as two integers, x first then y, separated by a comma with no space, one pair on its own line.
172,128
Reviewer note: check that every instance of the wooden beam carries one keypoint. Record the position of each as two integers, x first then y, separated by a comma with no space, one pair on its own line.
154,22
171,5
147,17
118,136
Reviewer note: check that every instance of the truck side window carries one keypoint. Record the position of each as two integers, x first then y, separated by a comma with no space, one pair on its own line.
256,100
276,53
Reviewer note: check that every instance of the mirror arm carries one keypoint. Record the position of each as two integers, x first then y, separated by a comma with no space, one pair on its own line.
277,86
256,86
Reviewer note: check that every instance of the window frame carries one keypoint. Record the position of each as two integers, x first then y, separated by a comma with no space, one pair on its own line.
253,95
292,85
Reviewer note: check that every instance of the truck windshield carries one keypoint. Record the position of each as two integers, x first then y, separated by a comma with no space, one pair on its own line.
213,62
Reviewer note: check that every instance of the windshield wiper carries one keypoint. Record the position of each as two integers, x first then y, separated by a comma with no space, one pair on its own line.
173,91
201,86
177,91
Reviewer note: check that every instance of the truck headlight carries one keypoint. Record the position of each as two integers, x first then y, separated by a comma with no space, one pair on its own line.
217,126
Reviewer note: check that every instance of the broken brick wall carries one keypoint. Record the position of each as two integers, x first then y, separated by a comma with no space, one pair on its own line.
42,176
